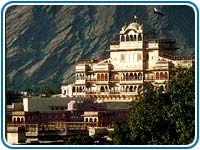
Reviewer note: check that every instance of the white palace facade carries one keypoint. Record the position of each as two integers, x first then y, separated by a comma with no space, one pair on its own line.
136,58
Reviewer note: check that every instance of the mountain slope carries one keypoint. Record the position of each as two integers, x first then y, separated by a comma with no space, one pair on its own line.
43,43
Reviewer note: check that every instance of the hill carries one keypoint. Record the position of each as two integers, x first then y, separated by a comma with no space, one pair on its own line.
43,43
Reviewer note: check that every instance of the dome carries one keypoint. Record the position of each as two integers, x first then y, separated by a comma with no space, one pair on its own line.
134,26
72,105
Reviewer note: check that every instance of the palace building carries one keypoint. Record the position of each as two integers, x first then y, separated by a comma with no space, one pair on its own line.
101,93
136,58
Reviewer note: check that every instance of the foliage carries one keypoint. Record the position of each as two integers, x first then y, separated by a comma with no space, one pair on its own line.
42,90
159,117
148,118
121,134
182,110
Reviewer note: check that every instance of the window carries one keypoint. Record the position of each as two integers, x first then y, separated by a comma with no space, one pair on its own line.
122,38
98,77
64,92
140,76
134,39
106,77
139,37
122,58
102,77
147,56
127,38
139,57
131,37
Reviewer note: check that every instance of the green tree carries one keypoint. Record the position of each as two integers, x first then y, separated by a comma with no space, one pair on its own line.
182,111
121,134
166,117
159,117
148,119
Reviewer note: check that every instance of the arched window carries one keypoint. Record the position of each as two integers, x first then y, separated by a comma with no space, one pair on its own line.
131,76
139,37
124,89
22,119
134,38
86,119
95,119
131,88
98,77
14,120
135,88
122,38
135,76
106,89
157,76
161,76
91,120
102,77
123,77
127,38
139,76
64,92
127,78
18,120
131,37
127,89
80,77
106,77
102,89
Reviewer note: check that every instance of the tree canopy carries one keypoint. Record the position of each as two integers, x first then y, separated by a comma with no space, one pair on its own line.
162,117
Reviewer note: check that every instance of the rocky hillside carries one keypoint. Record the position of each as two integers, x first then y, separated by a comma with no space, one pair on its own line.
43,43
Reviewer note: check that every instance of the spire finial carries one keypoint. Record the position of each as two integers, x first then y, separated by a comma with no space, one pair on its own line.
135,18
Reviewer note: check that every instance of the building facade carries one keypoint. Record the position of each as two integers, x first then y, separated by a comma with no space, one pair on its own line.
136,58
63,119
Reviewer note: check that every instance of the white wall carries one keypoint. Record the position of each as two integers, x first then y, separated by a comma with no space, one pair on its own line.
12,138
66,90
43,104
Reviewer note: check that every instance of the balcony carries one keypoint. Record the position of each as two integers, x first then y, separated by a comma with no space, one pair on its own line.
131,81
82,68
101,67
102,82
152,45
131,45
114,80
80,82
128,93
126,45
160,65
79,93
